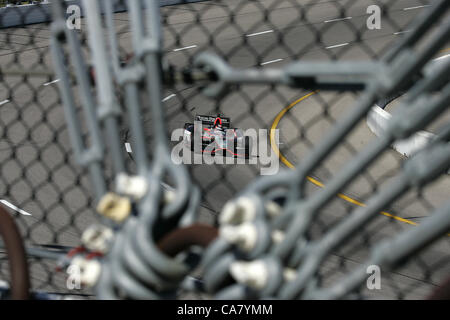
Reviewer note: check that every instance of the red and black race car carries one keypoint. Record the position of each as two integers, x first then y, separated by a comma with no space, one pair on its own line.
216,137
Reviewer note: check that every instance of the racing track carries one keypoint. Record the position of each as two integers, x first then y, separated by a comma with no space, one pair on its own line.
338,39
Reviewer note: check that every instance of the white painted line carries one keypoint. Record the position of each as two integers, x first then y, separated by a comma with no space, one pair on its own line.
340,19
128,147
51,82
272,61
10,205
337,46
443,57
4,102
185,48
418,7
400,32
168,98
259,33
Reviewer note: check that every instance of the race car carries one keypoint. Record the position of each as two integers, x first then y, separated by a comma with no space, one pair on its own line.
217,137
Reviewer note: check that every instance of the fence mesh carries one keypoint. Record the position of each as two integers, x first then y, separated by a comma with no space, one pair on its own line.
51,197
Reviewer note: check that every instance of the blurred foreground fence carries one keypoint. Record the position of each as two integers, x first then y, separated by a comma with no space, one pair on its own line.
89,119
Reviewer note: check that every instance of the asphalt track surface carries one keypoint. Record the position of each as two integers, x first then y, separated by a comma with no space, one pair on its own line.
57,204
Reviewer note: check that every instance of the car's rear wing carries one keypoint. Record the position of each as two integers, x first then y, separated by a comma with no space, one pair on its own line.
210,120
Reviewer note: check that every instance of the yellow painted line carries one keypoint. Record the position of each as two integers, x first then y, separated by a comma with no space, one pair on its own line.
275,125
312,180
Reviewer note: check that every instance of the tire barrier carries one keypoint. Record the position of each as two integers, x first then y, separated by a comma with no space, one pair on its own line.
20,280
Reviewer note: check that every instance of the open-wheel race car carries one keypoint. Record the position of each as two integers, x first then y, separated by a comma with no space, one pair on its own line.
216,137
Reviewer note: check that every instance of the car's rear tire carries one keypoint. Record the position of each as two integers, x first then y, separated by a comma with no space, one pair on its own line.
247,147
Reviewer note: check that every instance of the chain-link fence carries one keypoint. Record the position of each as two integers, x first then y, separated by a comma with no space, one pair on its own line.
53,199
